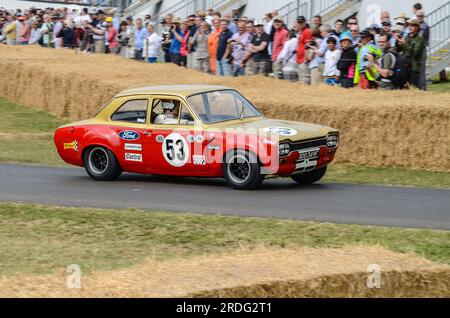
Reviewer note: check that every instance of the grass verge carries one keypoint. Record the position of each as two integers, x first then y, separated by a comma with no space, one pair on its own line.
26,136
40,239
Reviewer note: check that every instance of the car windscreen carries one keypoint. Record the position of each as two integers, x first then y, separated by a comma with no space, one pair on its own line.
222,105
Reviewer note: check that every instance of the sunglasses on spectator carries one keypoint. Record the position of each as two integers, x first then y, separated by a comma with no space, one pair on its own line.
352,23
420,16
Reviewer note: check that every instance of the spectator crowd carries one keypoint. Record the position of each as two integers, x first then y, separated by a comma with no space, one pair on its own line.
387,56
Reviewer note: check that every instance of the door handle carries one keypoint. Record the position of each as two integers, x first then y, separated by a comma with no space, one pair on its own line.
147,133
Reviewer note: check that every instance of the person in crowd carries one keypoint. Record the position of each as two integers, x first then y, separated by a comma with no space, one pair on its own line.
210,16
140,34
147,20
332,57
288,58
86,41
213,43
200,42
365,74
305,37
122,38
352,21
152,44
232,27
223,55
176,36
386,26
24,30
166,24
338,27
184,50
388,61
98,28
424,27
268,23
46,31
238,45
11,31
111,42
317,21
279,38
35,33
314,61
347,62
57,27
416,7
67,34
258,51
412,48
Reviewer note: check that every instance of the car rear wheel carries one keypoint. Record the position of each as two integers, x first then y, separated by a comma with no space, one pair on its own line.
241,170
101,164
309,177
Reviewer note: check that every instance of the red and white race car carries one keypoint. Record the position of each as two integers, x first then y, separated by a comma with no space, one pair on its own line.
195,130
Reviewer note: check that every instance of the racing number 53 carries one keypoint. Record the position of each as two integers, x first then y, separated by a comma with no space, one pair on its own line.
175,150
171,152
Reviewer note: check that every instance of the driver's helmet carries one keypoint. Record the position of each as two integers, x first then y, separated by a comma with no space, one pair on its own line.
168,105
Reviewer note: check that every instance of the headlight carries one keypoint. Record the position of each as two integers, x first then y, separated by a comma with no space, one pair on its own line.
284,149
332,141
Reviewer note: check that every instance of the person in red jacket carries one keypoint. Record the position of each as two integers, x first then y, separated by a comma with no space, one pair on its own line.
304,37
279,38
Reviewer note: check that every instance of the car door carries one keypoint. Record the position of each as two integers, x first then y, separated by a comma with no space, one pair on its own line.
176,148
130,123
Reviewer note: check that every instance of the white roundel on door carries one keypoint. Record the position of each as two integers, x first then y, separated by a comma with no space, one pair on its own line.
175,150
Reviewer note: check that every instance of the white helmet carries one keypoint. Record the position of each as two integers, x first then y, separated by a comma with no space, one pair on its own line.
168,105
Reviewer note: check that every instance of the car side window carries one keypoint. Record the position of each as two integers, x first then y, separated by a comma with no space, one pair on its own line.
186,117
169,112
132,111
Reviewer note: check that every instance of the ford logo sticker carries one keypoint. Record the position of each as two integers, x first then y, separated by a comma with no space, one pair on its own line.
128,135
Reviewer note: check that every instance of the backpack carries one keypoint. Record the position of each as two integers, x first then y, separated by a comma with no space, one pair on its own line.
399,77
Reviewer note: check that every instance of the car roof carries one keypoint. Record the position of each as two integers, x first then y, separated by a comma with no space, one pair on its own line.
180,90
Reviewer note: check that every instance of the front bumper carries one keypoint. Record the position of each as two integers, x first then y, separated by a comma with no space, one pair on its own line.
301,161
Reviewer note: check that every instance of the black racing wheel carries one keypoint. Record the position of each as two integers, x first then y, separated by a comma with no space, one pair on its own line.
101,164
241,170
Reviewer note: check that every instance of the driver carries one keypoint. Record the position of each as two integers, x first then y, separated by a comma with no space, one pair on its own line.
169,115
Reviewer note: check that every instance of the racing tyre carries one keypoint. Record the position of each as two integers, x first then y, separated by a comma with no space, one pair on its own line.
101,164
241,170
309,177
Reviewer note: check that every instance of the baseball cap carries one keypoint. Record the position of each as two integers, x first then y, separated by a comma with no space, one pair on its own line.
413,22
365,33
278,19
108,19
386,22
301,19
346,37
258,22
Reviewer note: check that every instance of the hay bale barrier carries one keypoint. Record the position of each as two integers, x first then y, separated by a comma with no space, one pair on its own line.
261,272
401,128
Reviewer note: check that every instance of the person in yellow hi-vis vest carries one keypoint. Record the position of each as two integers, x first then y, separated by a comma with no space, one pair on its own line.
365,74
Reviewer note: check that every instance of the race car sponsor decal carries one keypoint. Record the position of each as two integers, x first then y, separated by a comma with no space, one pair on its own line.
213,147
136,147
133,157
71,145
198,159
190,138
175,150
129,135
159,138
283,131
199,138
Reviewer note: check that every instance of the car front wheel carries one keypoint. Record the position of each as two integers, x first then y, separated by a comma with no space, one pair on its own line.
309,177
101,164
241,170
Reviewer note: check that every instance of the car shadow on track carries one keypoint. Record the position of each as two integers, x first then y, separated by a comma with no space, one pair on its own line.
269,184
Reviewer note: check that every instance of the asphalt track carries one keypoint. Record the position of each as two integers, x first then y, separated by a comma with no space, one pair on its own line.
279,198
